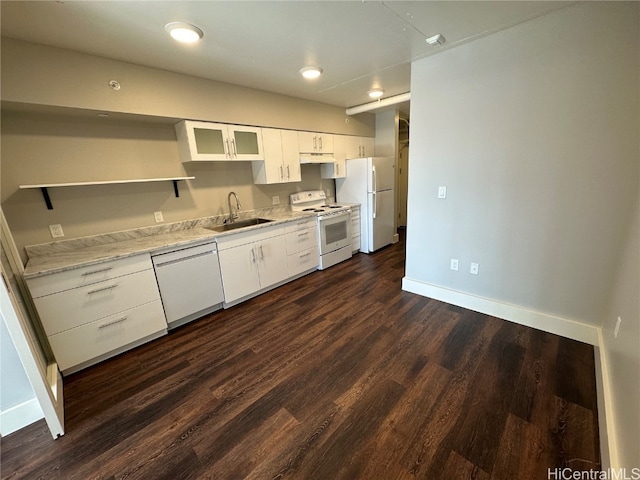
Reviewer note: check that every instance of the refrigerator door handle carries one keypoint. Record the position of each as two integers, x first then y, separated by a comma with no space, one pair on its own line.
374,181
375,203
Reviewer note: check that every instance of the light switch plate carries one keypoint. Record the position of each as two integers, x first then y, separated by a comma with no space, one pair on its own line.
474,269
275,200
442,192
158,216
454,264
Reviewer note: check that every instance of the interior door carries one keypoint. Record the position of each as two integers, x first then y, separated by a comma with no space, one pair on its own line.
37,360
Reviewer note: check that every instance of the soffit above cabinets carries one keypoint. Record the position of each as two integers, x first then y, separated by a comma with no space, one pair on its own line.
263,44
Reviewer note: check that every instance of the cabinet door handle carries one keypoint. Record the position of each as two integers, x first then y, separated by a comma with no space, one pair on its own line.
103,289
227,150
93,272
320,142
233,144
253,255
315,147
261,254
337,168
281,173
115,322
288,173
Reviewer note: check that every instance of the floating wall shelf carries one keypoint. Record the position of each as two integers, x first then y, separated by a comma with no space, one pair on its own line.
45,193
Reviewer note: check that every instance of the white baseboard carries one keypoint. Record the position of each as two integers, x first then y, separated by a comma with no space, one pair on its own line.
548,323
513,313
20,416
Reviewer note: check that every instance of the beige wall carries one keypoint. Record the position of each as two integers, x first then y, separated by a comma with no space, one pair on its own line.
535,132
72,144
623,352
42,75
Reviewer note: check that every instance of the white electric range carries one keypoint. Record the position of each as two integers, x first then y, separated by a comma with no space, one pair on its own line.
334,225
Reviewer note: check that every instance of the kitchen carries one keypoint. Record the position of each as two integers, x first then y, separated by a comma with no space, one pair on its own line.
45,139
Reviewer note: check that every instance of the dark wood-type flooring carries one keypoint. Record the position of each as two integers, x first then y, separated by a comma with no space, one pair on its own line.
338,375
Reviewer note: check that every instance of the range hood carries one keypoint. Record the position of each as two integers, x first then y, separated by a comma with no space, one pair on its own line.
317,158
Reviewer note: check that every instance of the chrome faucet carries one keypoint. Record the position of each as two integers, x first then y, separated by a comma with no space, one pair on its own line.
233,216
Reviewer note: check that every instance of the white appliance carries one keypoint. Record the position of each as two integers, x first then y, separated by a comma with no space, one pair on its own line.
190,282
369,181
334,225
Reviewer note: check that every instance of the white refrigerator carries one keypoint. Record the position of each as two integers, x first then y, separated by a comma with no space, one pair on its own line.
369,182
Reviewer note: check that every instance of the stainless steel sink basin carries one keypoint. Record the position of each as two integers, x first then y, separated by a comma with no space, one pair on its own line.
249,222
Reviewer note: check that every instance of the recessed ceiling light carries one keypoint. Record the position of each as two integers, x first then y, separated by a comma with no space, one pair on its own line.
375,92
311,72
184,32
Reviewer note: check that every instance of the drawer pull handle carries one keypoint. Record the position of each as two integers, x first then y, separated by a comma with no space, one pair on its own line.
305,255
115,322
93,272
303,234
102,289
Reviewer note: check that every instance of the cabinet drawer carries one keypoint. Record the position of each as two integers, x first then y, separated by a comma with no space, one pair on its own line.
71,308
301,224
89,341
301,240
79,277
302,261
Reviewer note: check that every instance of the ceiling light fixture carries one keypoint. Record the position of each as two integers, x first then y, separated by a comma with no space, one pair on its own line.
375,92
311,73
184,32
436,40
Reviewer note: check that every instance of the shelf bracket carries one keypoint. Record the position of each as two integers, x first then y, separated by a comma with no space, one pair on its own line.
175,188
47,199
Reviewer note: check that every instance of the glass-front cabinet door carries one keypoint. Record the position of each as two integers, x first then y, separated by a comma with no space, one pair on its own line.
203,141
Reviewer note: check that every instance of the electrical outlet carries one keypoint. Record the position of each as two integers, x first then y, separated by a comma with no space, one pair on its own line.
442,192
474,269
158,216
275,200
454,264
617,329
56,231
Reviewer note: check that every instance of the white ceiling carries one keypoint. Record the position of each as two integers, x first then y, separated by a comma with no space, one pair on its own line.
360,44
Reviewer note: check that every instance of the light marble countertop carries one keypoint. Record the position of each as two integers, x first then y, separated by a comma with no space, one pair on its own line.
54,257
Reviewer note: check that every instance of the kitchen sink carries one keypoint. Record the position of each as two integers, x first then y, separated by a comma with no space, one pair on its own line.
249,222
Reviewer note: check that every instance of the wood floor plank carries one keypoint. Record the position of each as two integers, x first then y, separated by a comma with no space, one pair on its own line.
339,374
525,451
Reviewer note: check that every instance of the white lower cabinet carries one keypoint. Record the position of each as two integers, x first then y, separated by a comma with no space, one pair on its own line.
252,261
107,335
302,246
355,228
91,313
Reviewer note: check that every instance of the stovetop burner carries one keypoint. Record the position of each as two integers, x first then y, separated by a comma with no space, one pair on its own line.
315,201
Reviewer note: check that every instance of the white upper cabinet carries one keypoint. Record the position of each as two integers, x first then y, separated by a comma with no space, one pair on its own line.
203,141
358,147
317,143
281,158
335,169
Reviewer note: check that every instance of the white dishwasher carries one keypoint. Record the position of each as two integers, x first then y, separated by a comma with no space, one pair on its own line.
190,282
